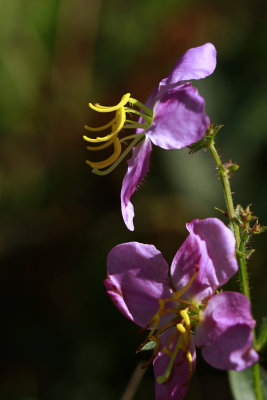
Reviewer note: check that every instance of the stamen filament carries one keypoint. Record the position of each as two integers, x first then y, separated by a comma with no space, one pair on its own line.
133,111
163,378
141,105
124,139
171,339
166,326
191,305
132,125
179,293
167,351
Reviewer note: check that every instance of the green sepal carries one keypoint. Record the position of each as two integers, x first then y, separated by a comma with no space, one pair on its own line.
213,130
148,346
205,142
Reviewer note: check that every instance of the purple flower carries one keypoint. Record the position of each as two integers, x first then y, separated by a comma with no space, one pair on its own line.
173,117
179,118
181,308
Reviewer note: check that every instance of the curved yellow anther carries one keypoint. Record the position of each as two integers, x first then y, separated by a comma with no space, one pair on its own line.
118,125
185,317
190,361
99,108
101,146
100,128
189,357
181,328
110,160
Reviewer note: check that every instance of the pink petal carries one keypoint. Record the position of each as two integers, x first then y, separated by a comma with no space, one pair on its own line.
137,279
138,166
179,118
196,63
211,246
225,332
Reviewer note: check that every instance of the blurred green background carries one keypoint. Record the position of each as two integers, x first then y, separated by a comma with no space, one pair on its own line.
61,337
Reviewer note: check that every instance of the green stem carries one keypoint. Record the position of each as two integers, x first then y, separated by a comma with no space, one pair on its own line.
240,248
226,191
241,258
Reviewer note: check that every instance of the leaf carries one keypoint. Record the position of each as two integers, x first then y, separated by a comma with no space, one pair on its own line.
262,337
241,384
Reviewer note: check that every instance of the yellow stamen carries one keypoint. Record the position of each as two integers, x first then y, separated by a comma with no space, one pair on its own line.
120,120
99,108
116,124
101,146
181,328
185,316
100,128
110,160
190,361
138,139
189,357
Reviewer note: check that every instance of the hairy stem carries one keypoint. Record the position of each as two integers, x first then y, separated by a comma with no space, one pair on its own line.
240,248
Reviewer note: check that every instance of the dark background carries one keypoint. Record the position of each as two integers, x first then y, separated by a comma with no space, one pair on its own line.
61,337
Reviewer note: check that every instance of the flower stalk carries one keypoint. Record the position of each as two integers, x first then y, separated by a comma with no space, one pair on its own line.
240,249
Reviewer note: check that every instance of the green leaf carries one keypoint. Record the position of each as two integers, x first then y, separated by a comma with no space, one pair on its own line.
241,384
262,338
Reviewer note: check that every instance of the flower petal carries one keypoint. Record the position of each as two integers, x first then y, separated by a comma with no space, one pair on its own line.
225,332
176,387
196,63
138,165
179,118
211,246
137,279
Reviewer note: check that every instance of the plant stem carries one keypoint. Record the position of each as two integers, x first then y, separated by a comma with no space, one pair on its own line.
257,381
226,191
240,248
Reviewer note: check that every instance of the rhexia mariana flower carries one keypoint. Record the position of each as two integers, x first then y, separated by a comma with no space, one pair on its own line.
172,118
182,308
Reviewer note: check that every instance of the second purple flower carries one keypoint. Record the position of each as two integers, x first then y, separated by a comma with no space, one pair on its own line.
181,307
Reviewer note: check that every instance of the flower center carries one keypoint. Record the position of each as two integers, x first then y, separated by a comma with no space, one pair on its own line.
185,318
115,125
